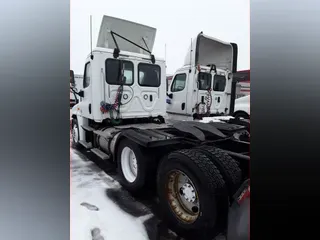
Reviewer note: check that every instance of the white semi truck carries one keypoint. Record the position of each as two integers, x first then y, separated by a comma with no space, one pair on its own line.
208,82
196,167
204,86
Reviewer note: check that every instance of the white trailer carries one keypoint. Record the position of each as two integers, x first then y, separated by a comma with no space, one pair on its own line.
196,167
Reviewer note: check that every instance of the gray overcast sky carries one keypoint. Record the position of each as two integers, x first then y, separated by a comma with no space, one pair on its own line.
177,21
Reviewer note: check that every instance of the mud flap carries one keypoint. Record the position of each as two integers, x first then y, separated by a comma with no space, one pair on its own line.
239,214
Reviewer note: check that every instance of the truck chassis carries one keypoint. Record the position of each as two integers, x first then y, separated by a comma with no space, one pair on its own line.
196,167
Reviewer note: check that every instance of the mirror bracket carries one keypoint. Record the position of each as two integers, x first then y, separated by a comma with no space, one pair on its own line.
116,53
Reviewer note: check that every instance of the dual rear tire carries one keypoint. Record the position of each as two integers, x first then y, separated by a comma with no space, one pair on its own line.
193,185
212,176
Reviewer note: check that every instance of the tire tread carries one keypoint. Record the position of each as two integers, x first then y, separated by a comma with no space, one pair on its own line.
228,167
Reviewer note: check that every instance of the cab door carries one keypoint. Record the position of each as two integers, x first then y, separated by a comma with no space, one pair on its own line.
177,94
86,100
204,98
221,98
149,90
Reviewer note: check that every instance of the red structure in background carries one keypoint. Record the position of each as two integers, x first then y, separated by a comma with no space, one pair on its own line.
244,83
169,79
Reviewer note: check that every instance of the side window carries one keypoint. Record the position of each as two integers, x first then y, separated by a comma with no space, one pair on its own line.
179,82
204,81
112,71
149,75
219,83
87,75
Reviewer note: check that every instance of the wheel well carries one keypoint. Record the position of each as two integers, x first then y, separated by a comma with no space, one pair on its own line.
71,120
120,138
240,111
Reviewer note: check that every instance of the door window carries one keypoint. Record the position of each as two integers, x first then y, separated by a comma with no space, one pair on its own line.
204,81
87,75
219,83
179,82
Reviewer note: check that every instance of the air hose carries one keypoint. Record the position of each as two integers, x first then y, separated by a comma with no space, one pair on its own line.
107,107
207,104
208,101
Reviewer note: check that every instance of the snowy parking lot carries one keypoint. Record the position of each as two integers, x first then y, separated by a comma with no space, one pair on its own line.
102,210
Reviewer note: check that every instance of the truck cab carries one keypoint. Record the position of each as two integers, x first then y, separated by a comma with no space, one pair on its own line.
122,80
203,86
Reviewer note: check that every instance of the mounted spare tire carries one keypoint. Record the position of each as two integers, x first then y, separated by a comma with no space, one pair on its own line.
135,166
192,194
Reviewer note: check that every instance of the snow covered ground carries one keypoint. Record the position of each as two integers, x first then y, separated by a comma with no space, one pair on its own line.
92,212
101,210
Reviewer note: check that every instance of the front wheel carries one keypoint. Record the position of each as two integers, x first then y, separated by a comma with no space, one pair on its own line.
75,133
243,115
192,194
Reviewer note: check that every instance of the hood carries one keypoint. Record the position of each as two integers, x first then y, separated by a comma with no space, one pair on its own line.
205,50
132,31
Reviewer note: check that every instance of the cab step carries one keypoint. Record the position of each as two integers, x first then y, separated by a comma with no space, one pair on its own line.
100,154
85,144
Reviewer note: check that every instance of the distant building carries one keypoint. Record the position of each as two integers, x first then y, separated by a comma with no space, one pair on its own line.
243,87
169,79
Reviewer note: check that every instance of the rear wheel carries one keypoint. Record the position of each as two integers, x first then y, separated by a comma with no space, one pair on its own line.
134,165
192,194
227,166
